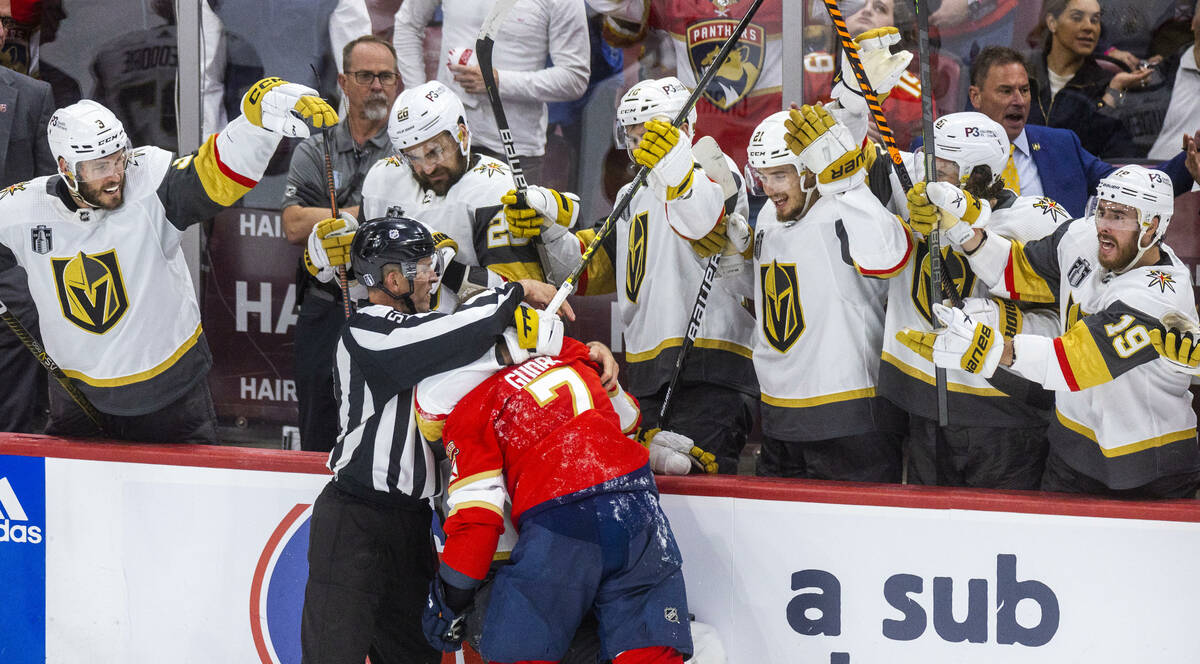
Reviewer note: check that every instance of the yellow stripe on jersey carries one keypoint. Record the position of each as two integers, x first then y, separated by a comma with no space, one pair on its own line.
712,344
728,346
1128,448
430,428
471,479
518,270
836,397
221,183
141,375
1080,359
476,503
600,278
914,372
1022,281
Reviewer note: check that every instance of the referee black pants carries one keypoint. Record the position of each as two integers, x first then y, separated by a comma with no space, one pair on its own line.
369,568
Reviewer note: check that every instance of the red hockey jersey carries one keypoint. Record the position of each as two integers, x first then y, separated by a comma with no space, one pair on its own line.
532,433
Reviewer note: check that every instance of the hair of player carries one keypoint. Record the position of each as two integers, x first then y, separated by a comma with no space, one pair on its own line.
980,184
994,56
365,39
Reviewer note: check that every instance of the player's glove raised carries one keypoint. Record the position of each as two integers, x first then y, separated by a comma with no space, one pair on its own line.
1179,344
667,152
883,68
286,108
945,205
540,211
963,344
444,628
673,453
329,243
534,332
826,148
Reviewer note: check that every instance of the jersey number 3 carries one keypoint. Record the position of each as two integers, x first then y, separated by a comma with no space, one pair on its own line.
545,388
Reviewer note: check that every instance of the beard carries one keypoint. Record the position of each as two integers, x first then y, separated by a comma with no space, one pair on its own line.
1124,253
443,177
376,107
94,194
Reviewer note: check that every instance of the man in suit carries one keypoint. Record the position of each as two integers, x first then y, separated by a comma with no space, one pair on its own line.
26,105
1046,161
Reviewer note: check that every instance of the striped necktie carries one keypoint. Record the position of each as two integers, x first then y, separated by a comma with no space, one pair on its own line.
1009,174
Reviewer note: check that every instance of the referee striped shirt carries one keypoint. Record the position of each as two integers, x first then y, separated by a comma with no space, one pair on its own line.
381,357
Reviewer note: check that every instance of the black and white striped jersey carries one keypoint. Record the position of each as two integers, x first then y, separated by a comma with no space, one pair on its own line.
381,357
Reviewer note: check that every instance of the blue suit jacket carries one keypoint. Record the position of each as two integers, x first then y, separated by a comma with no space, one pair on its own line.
1070,174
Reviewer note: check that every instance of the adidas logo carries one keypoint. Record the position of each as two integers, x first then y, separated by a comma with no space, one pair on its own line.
13,512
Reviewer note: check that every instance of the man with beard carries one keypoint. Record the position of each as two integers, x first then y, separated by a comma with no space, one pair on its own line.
370,83
1112,279
436,177
100,242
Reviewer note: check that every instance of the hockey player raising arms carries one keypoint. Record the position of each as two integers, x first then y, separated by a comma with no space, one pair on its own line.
100,241
456,193
971,152
1124,424
650,262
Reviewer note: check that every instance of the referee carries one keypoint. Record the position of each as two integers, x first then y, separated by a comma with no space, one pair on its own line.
370,552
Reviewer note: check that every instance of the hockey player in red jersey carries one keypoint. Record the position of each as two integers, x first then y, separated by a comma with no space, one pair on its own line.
548,437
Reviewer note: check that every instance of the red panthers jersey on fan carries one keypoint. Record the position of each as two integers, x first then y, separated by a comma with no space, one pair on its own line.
902,108
532,433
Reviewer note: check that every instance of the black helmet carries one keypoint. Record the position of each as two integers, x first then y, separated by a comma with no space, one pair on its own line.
393,239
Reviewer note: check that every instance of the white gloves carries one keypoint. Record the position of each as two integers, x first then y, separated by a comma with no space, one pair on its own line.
673,453
286,108
957,205
545,212
964,344
534,332
883,68
329,241
667,151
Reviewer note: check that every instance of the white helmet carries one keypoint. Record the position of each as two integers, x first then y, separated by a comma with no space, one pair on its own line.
1148,191
652,98
768,148
84,131
970,140
425,111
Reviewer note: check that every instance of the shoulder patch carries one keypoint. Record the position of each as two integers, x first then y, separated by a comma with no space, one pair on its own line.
491,168
393,160
1160,279
12,189
1052,208
1079,271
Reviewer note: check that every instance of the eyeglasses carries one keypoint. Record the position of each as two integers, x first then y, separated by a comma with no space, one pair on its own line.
386,78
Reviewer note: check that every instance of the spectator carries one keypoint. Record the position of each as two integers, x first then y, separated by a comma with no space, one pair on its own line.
1183,113
369,83
554,29
1070,90
370,555
25,108
1000,89
964,27
1115,280
118,310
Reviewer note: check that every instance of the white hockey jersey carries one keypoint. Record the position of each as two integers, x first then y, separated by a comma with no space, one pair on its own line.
649,261
906,378
470,213
115,300
820,325
1124,416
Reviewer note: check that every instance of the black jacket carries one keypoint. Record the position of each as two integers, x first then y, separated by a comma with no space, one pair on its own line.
1079,106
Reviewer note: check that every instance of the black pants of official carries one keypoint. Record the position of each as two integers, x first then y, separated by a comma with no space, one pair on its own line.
317,328
873,456
1060,476
189,419
717,418
369,568
975,456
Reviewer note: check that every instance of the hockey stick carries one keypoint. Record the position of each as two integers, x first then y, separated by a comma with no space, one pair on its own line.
935,249
568,285
483,52
708,154
48,362
333,211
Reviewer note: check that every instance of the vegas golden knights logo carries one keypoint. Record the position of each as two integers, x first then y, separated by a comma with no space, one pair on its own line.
90,289
953,265
782,317
1075,313
635,268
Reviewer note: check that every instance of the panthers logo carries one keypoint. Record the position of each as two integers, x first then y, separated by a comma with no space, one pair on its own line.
782,317
737,75
635,270
91,291
953,265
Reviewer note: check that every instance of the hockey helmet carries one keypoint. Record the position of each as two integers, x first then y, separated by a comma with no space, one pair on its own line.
768,148
425,111
84,131
649,99
392,240
1147,191
971,140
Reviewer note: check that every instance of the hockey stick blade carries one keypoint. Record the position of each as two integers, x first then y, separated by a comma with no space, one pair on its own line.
639,180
